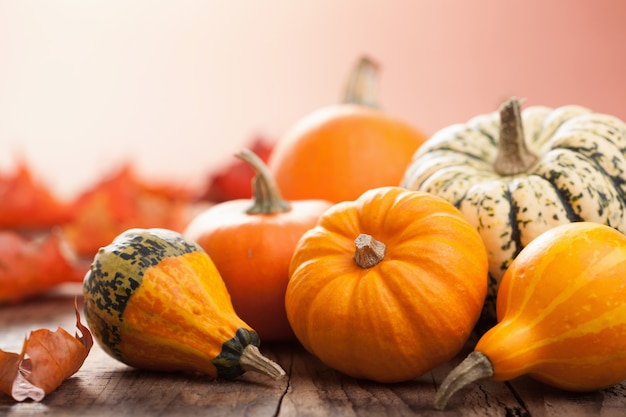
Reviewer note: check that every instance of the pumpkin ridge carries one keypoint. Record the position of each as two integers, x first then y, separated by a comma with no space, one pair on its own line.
610,129
596,189
556,118
515,232
618,182
431,329
533,219
579,136
467,142
465,153
444,183
492,138
486,210
564,197
593,152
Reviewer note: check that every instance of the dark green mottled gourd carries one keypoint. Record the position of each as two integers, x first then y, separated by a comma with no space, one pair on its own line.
154,300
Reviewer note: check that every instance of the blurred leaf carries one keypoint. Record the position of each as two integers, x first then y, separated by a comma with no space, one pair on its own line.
28,204
30,267
120,202
234,180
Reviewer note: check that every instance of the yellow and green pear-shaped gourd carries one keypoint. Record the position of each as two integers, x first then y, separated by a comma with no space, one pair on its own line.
154,300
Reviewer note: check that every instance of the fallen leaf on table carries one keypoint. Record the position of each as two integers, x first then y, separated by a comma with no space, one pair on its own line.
120,202
47,359
234,180
32,266
28,204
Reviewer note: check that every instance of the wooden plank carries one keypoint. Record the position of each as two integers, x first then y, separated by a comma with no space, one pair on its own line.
316,390
105,387
544,401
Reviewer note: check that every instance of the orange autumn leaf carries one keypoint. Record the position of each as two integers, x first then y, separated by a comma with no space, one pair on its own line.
121,202
47,359
28,204
30,267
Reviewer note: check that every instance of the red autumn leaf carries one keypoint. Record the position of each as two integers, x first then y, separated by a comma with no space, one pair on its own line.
233,181
30,267
28,204
47,359
120,202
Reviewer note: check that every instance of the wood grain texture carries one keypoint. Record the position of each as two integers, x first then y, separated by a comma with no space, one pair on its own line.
105,387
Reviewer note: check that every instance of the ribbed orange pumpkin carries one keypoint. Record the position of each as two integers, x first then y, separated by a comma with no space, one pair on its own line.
329,154
562,315
388,286
251,243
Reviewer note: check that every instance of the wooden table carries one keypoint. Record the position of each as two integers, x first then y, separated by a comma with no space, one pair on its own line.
105,387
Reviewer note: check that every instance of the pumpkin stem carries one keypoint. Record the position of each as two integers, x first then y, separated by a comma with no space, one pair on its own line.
252,360
369,251
513,155
475,367
362,86
267,197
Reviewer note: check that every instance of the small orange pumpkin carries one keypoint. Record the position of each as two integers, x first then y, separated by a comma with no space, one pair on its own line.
251,244
561,312
389,286
329,153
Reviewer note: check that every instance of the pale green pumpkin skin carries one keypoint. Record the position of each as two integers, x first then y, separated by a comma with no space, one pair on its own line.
580,175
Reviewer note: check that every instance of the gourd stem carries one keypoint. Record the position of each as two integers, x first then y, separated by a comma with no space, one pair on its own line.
362,86
267,197
513,155
475,367
252,360
369,251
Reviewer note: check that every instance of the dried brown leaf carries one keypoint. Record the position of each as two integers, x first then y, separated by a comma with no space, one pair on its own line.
47,359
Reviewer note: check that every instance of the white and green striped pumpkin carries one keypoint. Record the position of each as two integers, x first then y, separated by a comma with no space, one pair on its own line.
515,174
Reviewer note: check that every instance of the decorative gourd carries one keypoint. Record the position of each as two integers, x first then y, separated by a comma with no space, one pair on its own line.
516,174
562,315
154,300
387,287
338,152
251,244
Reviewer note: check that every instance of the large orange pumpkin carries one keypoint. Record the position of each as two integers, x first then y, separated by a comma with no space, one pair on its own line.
388,286
338,152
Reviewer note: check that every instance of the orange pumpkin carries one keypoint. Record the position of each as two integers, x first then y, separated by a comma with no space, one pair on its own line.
389,286
329,153
251,243
561,312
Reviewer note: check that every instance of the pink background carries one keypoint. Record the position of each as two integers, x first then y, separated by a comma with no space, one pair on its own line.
178,86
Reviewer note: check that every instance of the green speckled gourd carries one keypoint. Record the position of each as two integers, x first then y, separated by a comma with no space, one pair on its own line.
156,301
515,174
